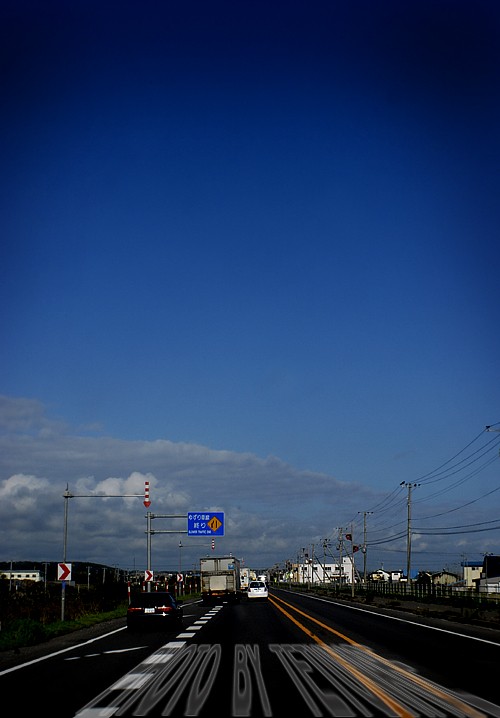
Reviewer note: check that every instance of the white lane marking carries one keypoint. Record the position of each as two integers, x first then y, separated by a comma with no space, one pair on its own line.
58,653
214,611
125,650
403,620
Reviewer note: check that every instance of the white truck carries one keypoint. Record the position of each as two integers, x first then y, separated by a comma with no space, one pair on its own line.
246,575
220,579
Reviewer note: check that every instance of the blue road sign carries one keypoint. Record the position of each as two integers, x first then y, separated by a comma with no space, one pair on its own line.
205,523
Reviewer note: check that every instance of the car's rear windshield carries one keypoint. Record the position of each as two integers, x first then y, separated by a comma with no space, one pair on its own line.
257,584
150,600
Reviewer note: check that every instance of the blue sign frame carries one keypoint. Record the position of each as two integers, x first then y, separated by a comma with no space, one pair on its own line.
205,523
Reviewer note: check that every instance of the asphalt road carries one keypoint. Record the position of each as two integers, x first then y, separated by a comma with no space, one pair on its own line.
292,653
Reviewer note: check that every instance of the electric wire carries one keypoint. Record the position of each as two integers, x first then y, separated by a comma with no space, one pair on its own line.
444,471
473,501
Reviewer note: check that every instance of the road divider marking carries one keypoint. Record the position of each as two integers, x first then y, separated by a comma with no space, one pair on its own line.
366,682
423,684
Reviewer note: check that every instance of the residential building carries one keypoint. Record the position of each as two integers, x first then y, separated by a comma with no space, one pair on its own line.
20,574
381,575
444,578
471,572
489,580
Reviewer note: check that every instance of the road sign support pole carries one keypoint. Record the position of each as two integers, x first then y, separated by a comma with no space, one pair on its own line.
148,545
67,496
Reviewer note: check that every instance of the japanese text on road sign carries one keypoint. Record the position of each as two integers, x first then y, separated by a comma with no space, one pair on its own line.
205,523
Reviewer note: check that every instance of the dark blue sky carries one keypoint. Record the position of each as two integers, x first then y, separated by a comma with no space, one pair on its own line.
262,228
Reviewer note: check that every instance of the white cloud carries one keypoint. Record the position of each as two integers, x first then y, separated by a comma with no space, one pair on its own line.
271,509
267,503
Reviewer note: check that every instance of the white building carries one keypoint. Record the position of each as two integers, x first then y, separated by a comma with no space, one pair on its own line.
381,575
21,574
471,572
315,572
489,581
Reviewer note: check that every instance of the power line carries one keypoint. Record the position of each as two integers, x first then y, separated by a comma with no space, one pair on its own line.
426,478
494,441
450,533
460,468
450,511
460,481
386,540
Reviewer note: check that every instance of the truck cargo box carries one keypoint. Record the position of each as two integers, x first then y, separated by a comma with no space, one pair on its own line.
220,579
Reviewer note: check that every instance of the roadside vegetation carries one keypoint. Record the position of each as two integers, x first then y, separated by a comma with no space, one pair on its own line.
31,614
23,632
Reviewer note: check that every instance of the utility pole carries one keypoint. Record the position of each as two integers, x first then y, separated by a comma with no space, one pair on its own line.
325,545
364,542
311,575
45,564
409,486
353,570
341,558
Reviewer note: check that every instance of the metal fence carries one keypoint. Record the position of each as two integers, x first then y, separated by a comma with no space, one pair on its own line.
420,591
401,590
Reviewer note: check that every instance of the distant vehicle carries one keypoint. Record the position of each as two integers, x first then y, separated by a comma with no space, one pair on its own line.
157,610
257,590
262,577
246,575
220,579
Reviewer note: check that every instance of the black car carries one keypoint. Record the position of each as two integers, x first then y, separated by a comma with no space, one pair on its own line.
157,609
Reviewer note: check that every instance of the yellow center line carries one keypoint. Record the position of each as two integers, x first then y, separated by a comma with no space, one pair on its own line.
367,682
421,682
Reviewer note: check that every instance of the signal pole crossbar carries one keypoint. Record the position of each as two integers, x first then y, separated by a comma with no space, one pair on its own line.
68,495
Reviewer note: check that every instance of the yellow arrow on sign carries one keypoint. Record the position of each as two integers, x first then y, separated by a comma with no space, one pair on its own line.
214,523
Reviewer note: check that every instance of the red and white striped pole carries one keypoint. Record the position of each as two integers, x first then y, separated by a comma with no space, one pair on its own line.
147,502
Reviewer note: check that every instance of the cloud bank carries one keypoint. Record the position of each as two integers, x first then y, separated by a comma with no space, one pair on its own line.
271,509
